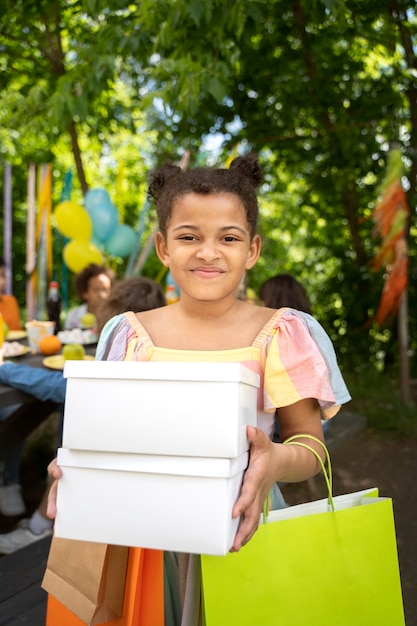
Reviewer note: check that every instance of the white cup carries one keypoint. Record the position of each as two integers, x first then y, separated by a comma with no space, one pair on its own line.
37,331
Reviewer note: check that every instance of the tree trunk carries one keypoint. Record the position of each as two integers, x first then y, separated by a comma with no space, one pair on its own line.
77,157
403,348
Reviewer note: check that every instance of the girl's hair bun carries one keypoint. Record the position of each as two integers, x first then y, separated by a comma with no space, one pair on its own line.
248,166
160,177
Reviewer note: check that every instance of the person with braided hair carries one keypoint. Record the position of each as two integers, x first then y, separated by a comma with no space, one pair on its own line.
208,239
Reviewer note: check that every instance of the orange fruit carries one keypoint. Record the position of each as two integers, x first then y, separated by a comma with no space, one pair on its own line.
50,345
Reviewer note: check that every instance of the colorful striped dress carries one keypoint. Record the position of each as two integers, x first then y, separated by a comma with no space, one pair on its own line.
295,360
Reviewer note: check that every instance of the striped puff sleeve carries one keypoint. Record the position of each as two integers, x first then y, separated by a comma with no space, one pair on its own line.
114,339
300,362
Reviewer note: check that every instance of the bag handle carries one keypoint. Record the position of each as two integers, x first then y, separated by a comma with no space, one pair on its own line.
328,474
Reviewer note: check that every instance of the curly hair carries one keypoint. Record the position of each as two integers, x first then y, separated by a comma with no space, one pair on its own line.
242,178
90,271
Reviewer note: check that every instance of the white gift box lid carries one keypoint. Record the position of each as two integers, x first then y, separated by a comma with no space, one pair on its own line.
162,370
190,409
209,467
182,504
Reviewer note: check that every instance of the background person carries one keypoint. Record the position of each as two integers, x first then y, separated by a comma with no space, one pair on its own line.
92,286
284,290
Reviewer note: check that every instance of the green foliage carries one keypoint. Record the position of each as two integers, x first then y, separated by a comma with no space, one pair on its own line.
320,88
378,397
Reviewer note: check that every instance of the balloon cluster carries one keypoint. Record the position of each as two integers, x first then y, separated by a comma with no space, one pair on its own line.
93,230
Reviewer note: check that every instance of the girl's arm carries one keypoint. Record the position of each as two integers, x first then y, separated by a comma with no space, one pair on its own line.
302,418
271,462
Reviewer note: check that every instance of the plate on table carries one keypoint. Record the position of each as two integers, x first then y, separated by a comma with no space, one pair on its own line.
57,361
84,337
13,349
14,335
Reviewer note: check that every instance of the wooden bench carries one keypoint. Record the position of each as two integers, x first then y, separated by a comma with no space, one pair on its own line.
22,600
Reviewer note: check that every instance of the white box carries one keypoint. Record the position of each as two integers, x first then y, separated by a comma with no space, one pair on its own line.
185,409
182,504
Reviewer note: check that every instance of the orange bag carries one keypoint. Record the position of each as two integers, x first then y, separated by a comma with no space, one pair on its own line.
143,602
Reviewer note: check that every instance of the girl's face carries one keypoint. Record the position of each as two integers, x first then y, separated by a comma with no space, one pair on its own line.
98,290
207,246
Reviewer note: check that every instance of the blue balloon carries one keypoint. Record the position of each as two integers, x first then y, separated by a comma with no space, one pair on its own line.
122,241
105,219
96,243
95,197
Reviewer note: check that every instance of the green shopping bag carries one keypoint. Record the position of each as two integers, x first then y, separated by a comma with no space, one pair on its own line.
308,565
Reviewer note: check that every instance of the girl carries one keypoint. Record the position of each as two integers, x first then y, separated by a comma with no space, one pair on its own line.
207,238
92,286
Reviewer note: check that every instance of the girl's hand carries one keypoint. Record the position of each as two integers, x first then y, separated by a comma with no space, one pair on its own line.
55,473
257,482
270,462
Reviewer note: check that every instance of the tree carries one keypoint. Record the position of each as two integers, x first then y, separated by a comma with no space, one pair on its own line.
322,94
319,88
63,103
65,60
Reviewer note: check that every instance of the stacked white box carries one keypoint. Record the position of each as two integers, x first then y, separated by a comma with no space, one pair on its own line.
186,409
169,503
154,453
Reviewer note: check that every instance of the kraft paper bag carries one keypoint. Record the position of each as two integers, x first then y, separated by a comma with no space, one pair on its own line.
88,578
143,596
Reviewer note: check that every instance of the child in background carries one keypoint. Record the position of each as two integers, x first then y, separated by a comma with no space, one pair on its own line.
92,286
130,294
207,238
136,293
9,307
284,290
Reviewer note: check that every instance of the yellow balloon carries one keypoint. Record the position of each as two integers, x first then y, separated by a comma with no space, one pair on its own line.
78,254
73,221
